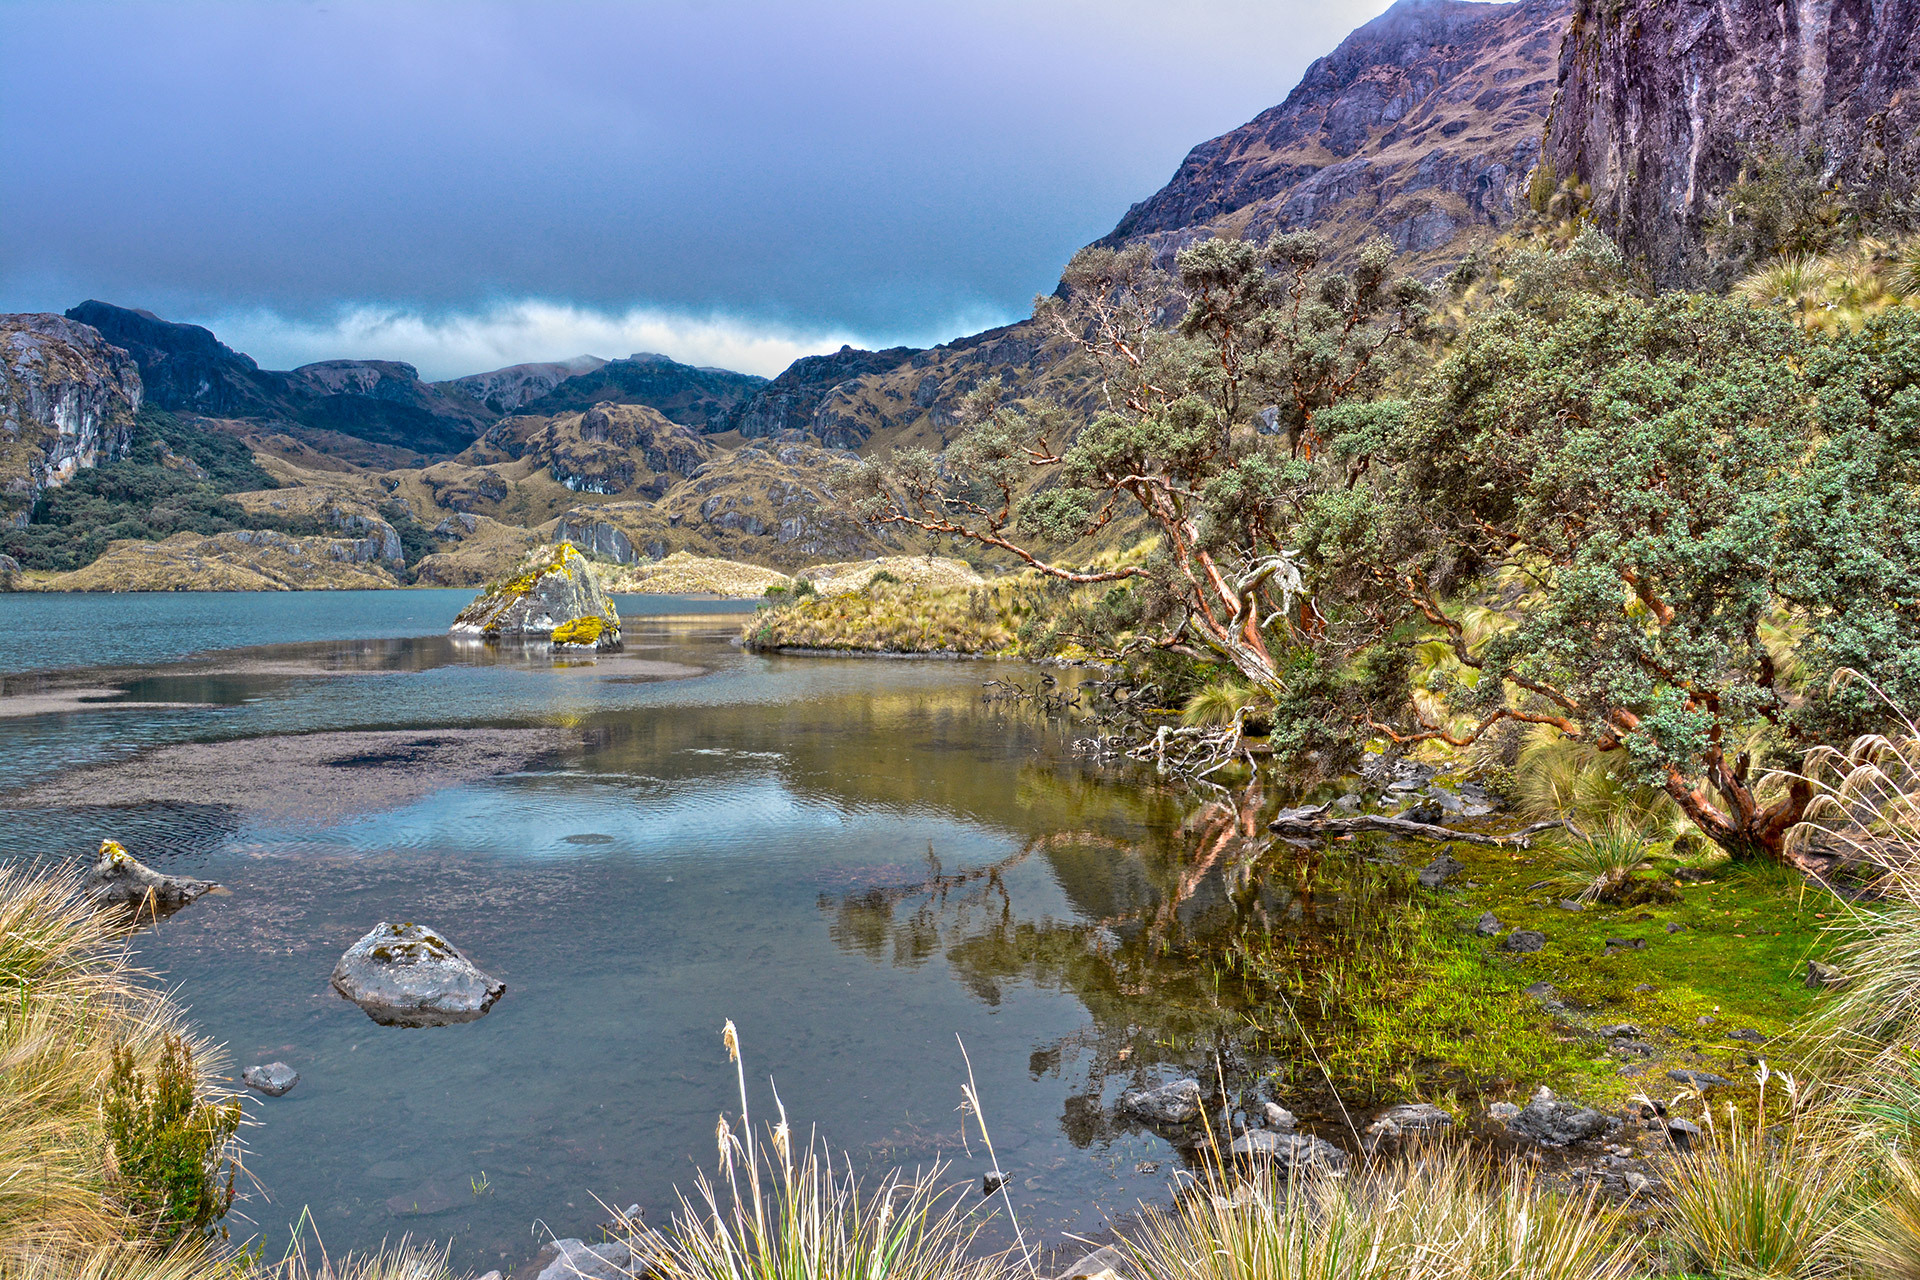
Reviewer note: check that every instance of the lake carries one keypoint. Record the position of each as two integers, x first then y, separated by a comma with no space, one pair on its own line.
863,864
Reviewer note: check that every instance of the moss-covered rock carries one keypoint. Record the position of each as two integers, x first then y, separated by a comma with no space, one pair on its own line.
554,595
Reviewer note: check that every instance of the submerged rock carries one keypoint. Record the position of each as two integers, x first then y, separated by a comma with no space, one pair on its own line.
406,975
554,595
1408,1117
273,1078
1175,1102
578,1260
118,879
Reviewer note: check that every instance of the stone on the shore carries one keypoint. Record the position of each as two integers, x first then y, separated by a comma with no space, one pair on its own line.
1290,1152
1102,1262
1175,1102
554,595
1276,1117
406,975
1408,1117
1487,925
1523,940
578,1260
118,879
271,1078
1440,870
1553,1123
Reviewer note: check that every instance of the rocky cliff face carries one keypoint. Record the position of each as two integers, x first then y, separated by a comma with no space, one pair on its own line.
1422,126
67,400
1661,101
790,401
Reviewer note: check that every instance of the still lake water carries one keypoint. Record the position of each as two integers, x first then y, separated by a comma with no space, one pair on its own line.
861,863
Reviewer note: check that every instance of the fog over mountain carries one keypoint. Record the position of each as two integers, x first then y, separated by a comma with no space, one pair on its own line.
736,183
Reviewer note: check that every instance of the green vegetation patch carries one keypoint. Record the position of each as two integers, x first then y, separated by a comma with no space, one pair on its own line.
896,617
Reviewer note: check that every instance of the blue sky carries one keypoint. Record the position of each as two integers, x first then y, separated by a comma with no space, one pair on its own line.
732,182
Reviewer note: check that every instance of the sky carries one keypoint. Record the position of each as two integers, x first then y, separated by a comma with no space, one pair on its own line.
466,185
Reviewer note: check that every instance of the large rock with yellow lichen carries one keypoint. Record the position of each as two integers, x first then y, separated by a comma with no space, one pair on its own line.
553,595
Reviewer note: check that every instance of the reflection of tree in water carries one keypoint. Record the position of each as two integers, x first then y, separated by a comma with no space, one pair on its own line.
1173,896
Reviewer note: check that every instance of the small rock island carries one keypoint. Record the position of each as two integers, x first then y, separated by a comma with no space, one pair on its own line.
554,595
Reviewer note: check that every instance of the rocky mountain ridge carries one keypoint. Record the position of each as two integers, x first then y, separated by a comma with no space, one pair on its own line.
67,401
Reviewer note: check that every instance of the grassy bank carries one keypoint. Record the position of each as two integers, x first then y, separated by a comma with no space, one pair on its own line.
888,615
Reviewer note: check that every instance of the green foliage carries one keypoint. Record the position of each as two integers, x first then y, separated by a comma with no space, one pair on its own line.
170,1146
1783,203
152,493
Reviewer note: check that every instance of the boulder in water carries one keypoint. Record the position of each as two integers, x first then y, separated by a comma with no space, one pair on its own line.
554,595
118,879
406,975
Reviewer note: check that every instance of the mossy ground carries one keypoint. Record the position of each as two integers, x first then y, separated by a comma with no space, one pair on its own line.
897,617
1401,998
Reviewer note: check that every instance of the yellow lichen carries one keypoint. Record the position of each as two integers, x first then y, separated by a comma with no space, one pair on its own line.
585,630
112,851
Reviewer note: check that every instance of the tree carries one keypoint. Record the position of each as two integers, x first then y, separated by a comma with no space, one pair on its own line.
1212,377
1663,489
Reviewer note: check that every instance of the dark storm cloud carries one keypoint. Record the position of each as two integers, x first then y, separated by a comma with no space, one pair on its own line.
316,172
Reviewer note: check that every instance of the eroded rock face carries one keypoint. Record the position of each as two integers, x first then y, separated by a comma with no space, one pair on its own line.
554,596
407,975
1660,104
1421,126
67,400
118,879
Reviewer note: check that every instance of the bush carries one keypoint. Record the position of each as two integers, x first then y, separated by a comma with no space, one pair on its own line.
170,1166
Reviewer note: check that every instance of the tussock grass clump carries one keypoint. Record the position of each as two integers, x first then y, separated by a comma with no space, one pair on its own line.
684,573
1765,1194
1600,867
780,1214
77,1020
1445,1217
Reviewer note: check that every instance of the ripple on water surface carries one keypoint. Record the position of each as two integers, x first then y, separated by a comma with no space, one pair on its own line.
855,862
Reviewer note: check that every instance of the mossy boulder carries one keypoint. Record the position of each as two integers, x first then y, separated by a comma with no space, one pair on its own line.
553,595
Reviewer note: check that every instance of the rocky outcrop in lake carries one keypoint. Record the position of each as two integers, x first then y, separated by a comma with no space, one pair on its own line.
555,595
67,400
407,975
1661,103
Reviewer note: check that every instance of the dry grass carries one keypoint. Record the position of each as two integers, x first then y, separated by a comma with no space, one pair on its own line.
1445,1217
896,617
1767,1193
778,1214
70,994
684,573
938,572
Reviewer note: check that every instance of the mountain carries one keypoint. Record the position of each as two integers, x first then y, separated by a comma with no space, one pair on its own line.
505,390
696,397
1661,103
1422,126
383,403
791,401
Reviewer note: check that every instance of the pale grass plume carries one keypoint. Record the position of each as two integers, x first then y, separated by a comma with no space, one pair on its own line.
1446,1215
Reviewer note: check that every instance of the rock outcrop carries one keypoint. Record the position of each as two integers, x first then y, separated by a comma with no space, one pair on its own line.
118,879
67,400
407,975
1422,126
554,596
791,401
1660,103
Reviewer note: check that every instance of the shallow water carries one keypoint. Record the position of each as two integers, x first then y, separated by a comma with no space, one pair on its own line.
861,863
